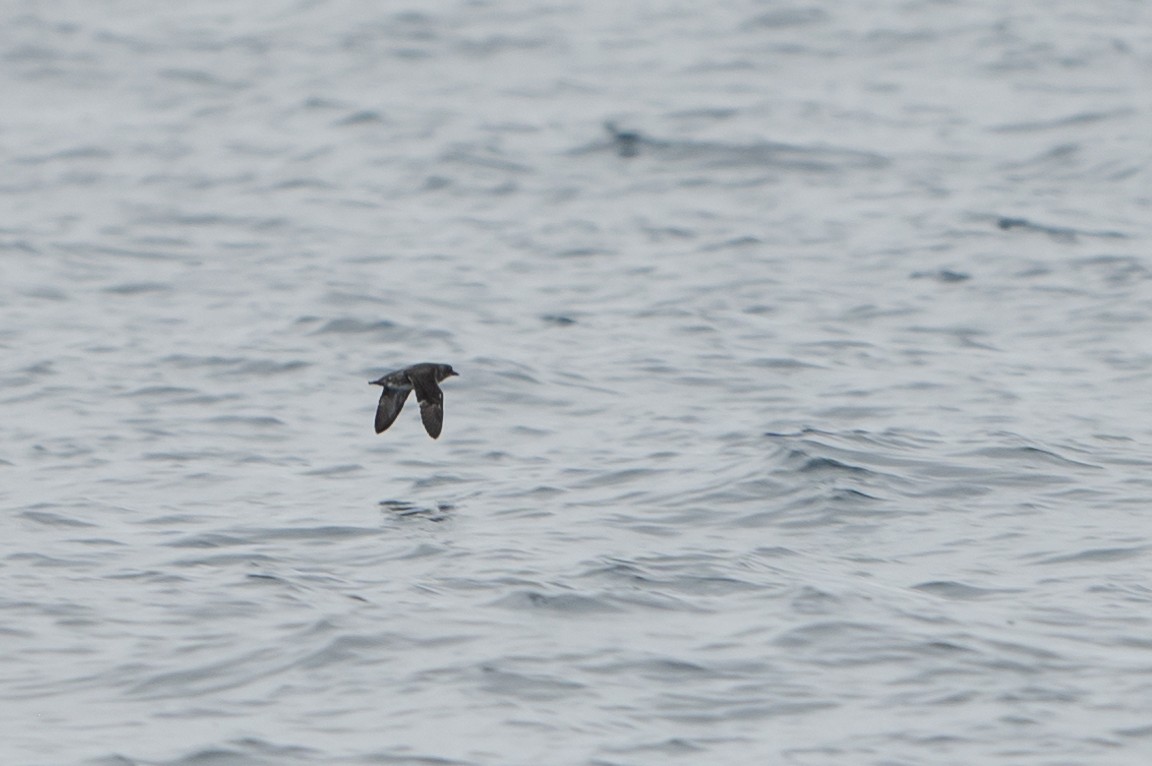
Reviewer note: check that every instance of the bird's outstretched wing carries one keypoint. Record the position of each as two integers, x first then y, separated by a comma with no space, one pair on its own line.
391,402
431,400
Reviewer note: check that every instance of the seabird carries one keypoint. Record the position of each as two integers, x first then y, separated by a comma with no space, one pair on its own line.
425,379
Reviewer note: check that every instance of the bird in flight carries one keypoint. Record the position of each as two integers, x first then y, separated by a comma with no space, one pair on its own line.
425,379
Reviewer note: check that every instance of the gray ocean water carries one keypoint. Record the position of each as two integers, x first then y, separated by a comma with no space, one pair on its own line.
803,414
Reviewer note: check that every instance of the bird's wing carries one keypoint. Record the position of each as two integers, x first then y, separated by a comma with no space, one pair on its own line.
431,400
391,402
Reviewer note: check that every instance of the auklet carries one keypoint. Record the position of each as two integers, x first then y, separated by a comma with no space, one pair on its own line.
425,379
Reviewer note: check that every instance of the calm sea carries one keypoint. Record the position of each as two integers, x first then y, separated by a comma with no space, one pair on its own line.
803,414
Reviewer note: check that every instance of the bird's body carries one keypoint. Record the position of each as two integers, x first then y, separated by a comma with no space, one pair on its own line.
425,379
